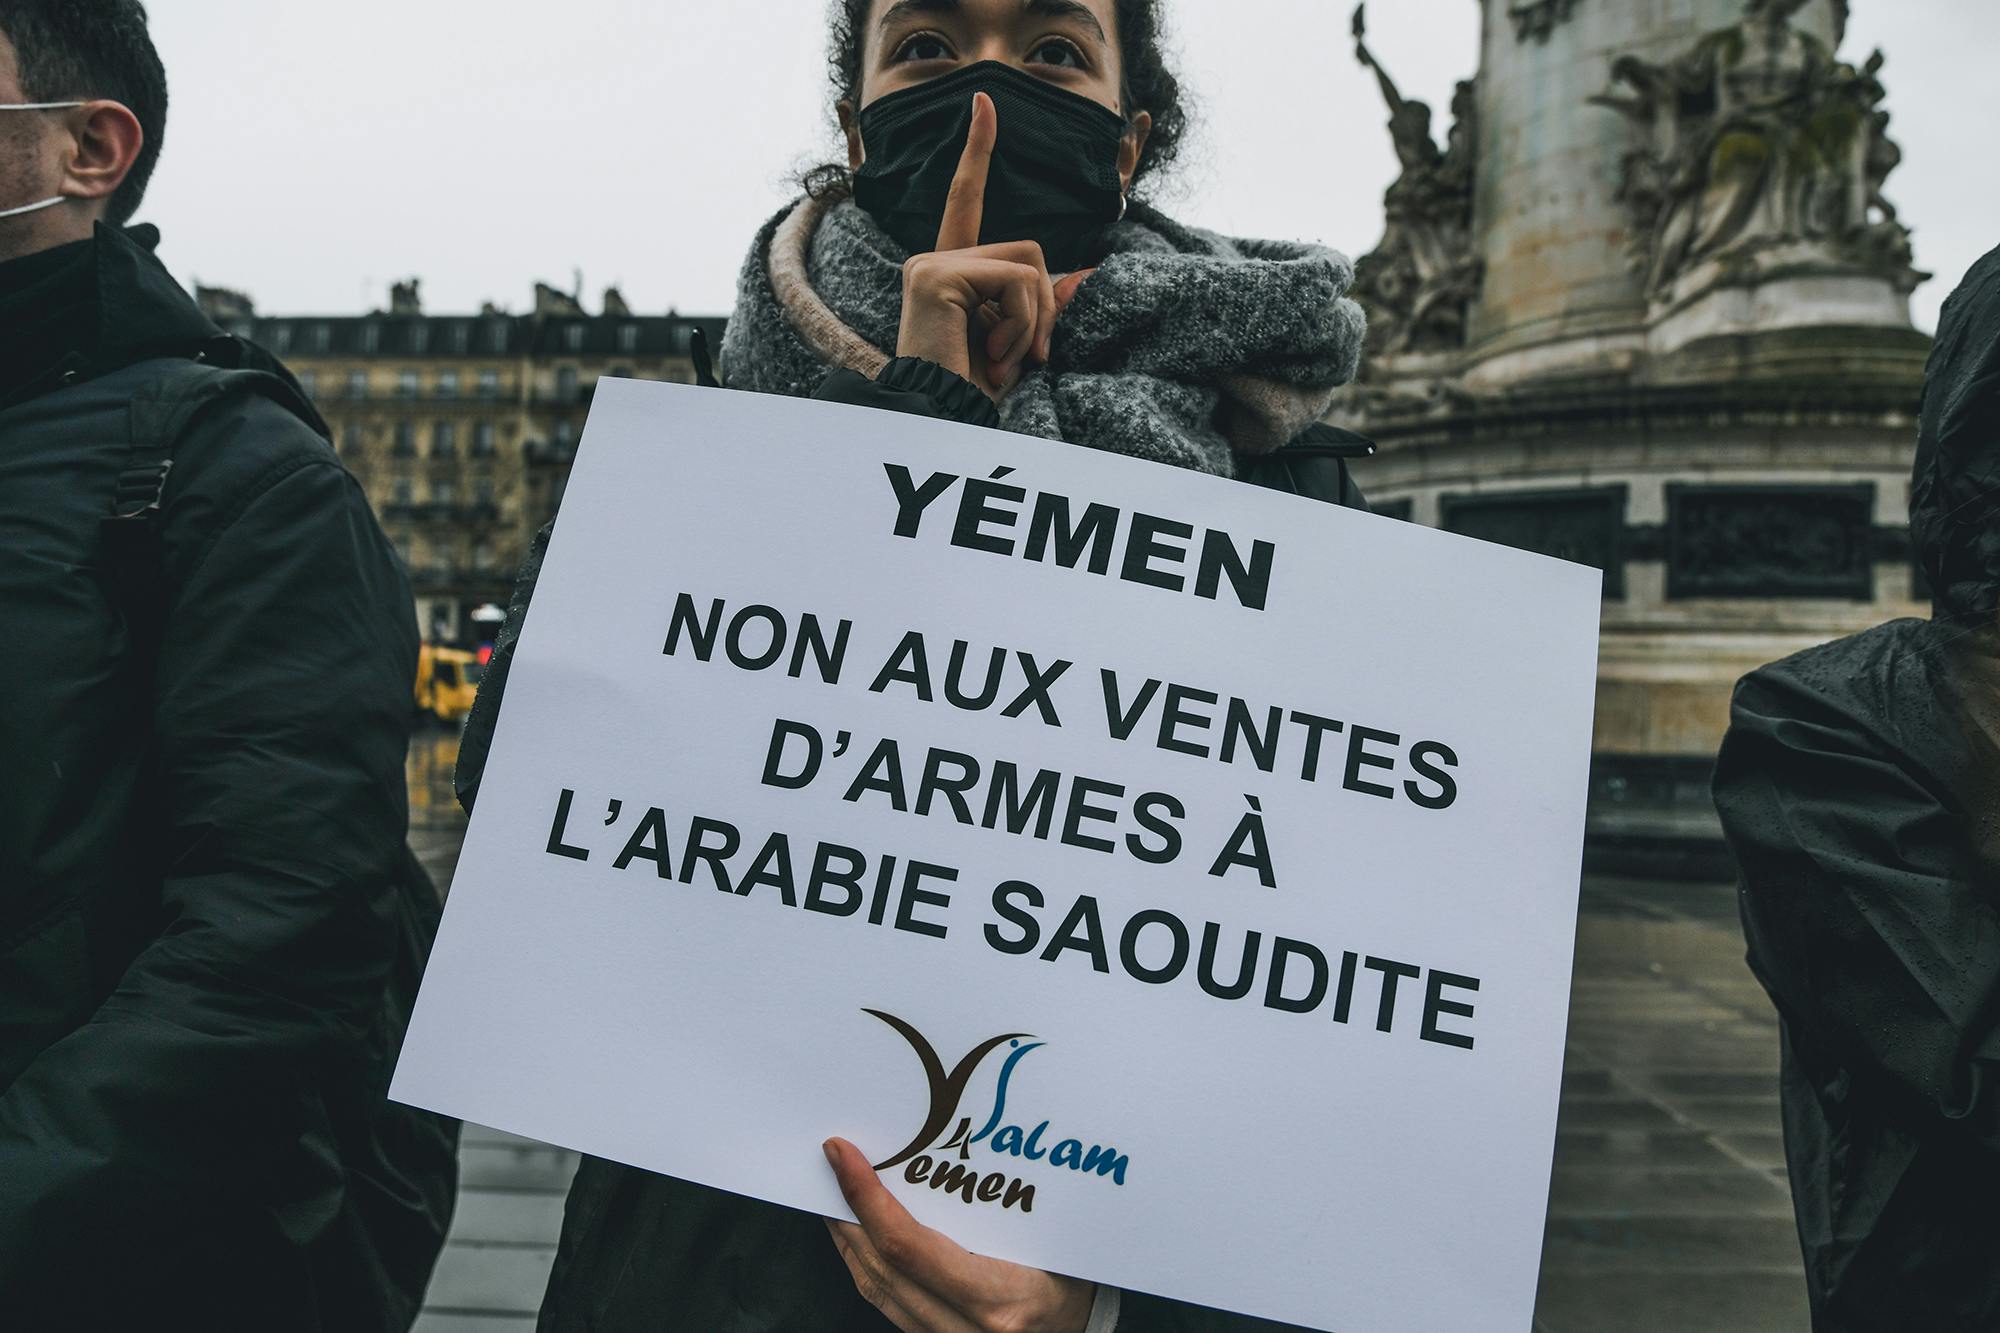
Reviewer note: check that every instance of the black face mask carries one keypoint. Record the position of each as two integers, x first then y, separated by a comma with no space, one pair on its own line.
1054,177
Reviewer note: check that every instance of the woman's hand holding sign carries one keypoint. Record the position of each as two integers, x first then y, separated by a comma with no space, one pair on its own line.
924,1283
981,311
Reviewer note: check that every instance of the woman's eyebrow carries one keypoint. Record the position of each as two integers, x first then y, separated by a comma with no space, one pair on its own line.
1053,9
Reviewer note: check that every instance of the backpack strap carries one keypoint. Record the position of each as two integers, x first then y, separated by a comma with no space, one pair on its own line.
132,556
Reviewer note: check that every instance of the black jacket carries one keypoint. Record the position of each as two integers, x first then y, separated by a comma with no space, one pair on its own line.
202,813
1859,786
641,1251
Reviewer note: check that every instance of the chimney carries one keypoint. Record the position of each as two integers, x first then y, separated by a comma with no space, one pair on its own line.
614,302
404,300
550,303
221,304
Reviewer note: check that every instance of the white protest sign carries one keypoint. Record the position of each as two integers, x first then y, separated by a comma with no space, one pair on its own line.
1217,850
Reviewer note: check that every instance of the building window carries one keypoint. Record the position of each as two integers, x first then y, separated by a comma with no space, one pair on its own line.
573,337
281,338
443,492
496,336
622,372
406,383
447,384
444,439
628,337
482,490
406,440
420,337
350,438
566,384
484,558
1771,541
489,384
402,491
482,440
322,337
1584,526
461,338
357,384
309,381
371,338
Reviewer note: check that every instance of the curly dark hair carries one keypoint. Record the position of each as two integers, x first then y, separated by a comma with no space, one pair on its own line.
1149,84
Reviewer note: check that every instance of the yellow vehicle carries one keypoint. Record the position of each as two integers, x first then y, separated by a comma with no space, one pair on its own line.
447,680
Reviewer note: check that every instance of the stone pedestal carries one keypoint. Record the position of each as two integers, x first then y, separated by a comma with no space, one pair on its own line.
1688,361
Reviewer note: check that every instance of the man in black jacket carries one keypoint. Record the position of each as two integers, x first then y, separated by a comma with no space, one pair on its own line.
204,699
1860,789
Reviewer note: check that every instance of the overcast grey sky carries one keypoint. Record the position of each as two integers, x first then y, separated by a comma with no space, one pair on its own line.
318,152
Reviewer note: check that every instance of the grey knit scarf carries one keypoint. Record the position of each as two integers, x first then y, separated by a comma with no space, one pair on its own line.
1184,347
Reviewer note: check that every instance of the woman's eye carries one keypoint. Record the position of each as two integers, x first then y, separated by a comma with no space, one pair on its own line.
923,46
1056,52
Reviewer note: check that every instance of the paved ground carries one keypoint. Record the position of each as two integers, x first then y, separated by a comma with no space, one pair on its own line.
1668,1210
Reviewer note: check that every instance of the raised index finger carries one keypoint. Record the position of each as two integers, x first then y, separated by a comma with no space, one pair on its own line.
965,206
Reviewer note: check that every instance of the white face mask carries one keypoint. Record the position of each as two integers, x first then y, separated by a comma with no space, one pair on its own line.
34,106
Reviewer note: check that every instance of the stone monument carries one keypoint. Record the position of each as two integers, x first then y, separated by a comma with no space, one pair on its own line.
1647,307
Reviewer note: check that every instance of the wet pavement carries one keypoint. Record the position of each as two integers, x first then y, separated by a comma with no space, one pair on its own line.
1668,1210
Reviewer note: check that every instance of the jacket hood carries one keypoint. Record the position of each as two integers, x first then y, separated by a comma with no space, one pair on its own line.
1955,488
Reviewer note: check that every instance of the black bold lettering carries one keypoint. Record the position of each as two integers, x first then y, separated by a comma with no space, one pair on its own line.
1142,546
1083,931
915,895
1003,796
1249,580
1095,530
1435,1004
1246,973
734,644
648,843
847,879
908,664
1357,755
697,849
1170,834
782,731
560,825
813,640
1003,905
1385,1013
911,499
1240,726
700,636
1173,716
1080,809
975,510
1282,952
1420,756
953,788
1128,946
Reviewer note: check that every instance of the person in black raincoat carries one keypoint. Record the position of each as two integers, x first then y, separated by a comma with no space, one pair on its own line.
1859,786
210,929
976,260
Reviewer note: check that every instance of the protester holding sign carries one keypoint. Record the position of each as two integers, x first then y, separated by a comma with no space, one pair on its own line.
980,259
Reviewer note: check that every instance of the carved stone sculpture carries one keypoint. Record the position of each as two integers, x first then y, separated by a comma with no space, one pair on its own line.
1536,19
1755,147
1419,282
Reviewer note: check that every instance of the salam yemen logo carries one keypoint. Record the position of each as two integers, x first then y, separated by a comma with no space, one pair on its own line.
998,1134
